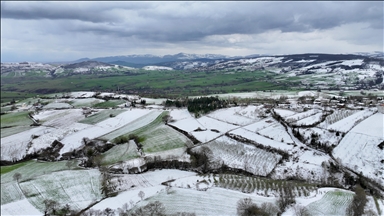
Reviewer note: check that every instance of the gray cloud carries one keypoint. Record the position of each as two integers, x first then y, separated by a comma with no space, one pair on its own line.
185,25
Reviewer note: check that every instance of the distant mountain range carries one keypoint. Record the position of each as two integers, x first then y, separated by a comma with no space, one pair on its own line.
139,61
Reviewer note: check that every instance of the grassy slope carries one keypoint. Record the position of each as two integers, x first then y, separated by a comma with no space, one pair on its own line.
15,119
120,153
12,123
332,203
31,169
156,136
78,188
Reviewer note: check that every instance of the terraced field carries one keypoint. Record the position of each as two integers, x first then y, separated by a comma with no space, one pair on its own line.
78,188
241,156
149,120
332,203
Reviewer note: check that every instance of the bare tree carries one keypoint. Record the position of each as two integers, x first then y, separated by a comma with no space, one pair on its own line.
155,208
269,208
17,177
141,195
300,210
132,203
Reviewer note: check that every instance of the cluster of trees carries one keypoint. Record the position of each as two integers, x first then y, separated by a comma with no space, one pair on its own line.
198,105
356,207
155,208
205,104
246,207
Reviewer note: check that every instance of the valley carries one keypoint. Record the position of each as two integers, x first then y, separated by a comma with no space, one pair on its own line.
116,153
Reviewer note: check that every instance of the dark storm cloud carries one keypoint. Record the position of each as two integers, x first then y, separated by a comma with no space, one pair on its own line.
85,11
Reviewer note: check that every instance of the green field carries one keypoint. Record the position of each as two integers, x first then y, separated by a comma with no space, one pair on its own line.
12,123
32,169
8,96
149,83
154,137
101,116
146,121
120,153
109,104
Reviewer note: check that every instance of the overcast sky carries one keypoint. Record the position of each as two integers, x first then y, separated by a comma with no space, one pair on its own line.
61,31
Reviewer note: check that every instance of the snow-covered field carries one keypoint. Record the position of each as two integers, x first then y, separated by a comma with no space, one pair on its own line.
74,140
236,115
301,115
349,122
15,147
359,149
78,188
261,140
241,156
284,112
133,125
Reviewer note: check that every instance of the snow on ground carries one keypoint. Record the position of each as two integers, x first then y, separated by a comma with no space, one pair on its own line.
60,118
359,149
325,201
284,113
242,156
214,201
20,207
82,94
156,68
187,124
372,126
353,62
349,122
57,106
15,146
302,115
205,136
276,132
74,140
261,124
86,102
133,125
324,136
310,120
261,140
234,115
51,134
211,123
307,93
78,188
179,114
305,165
148,182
